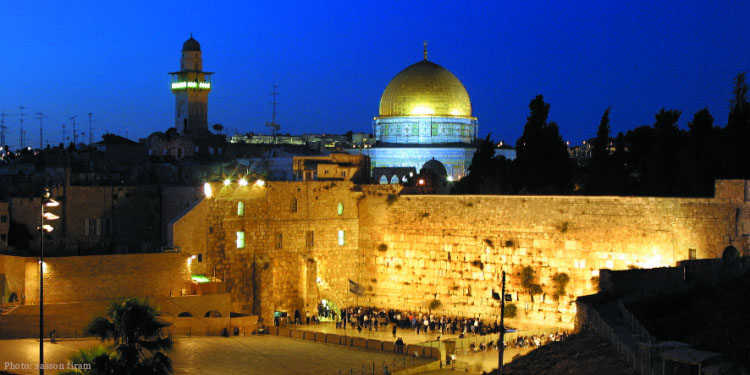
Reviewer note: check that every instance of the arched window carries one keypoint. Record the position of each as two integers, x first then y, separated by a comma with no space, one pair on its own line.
293,205
341,238
213,314
184,314
340,209
394,179
404,179
383,180
240,208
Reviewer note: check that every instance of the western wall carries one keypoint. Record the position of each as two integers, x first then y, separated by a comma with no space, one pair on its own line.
303,241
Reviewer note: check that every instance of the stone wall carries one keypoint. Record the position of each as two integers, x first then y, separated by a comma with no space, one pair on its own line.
71,319
453,248
408,250
104,277
291,256
13,272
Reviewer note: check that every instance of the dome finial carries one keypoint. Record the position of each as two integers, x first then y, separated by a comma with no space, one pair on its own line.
425,50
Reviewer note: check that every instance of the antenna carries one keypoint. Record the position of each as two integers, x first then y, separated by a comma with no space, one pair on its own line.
273,124
75,135
91,133
21,129
41,116
63,139
3,128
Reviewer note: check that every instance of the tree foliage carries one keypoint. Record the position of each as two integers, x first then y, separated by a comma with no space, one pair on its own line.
542,159
133,329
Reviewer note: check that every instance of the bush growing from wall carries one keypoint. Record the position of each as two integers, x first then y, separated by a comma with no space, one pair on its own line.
528,284
561,282
510,310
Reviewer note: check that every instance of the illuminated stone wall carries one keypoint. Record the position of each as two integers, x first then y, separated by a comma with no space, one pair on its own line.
453,248
104,277
406,251
277,269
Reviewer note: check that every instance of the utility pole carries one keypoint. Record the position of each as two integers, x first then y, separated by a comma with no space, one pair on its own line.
3,128
273,125
91,132
21,129
501,341
41,116
75,136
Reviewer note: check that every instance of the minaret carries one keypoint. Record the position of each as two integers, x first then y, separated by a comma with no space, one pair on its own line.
190,87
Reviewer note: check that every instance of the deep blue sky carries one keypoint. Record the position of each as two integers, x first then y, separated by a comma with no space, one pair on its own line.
332,60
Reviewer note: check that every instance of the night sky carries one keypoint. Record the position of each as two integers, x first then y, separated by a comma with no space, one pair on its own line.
332,60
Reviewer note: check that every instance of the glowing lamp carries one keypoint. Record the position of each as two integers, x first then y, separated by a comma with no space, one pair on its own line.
450,178
227,182
243,182
421,181
52,203
47,228
207,190
260,182
50,216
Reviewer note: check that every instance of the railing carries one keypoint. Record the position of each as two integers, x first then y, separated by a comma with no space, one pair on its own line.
633,324
638,363
379,368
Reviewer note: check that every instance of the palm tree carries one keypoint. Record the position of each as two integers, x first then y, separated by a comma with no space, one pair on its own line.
137,344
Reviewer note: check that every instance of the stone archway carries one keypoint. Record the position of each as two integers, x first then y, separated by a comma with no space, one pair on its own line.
213,314
185,314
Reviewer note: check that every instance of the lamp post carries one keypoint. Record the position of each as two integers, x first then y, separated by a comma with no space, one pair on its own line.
43,229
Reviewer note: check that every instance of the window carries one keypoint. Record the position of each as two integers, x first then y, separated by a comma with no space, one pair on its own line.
340,209
293,205
279,241
3,218
310,238
92,227
240,240
3,238
341,238
241,209
394,179
692,254
383,180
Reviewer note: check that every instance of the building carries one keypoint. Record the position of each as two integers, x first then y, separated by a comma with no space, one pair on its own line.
333,167
190,87
425,113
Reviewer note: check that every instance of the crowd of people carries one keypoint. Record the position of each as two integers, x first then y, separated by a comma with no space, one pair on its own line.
373,318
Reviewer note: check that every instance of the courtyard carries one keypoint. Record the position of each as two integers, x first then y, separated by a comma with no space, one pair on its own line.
221,355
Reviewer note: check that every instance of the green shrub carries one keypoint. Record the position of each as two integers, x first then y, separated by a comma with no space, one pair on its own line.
510,310
434,305
561,282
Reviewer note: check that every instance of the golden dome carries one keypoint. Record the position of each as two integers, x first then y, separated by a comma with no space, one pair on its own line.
425,89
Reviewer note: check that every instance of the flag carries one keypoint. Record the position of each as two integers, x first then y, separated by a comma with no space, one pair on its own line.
355,288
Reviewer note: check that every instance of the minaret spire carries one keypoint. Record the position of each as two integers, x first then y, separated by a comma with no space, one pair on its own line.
425,50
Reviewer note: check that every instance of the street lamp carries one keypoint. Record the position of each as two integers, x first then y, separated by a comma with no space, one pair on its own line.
43,229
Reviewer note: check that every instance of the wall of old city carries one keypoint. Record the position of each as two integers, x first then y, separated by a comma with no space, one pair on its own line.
104,277
408,250
291,257
453,248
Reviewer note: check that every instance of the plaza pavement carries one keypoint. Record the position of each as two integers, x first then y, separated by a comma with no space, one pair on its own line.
221,355
476,362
